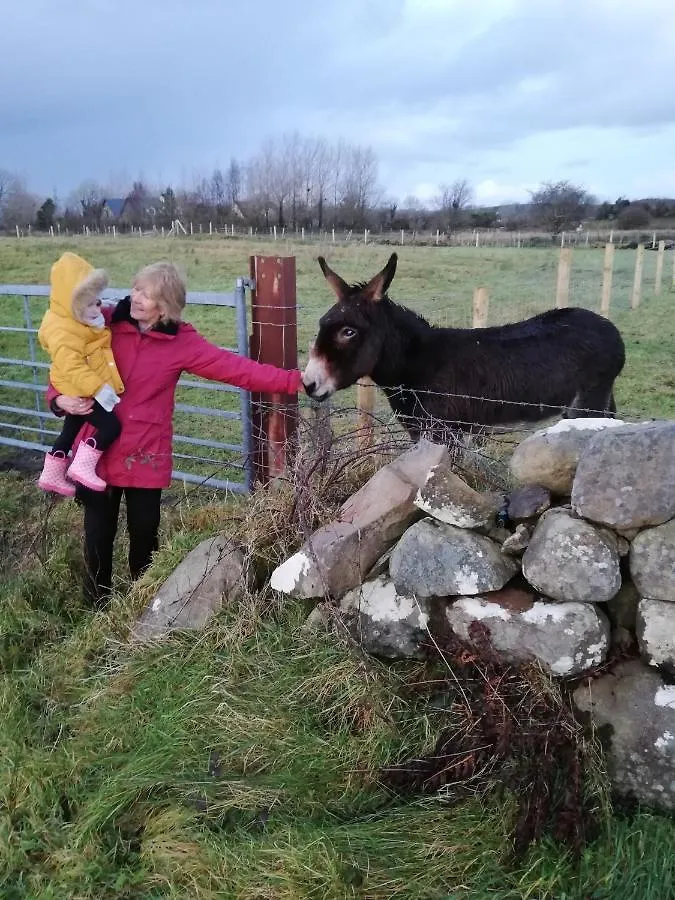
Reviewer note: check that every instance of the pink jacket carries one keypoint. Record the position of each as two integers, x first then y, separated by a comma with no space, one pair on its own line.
150,364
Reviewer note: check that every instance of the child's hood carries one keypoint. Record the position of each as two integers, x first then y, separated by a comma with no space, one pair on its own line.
75,284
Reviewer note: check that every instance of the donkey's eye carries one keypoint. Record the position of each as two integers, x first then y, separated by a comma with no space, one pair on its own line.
346,333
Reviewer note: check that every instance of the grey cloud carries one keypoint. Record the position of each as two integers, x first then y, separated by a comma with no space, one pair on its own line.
163,85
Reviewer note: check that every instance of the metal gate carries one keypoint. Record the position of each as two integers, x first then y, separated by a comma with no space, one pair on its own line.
31,427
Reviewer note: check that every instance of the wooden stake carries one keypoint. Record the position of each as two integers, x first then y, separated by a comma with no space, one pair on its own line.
659,268
637,280
607,272
365,403
481,299
562,291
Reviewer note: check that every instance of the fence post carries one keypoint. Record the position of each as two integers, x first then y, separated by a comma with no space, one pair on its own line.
607,272
562,291
365,404
481,300
637,280
659,268
273,340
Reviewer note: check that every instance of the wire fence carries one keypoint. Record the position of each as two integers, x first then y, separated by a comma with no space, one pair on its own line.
584,237
210,425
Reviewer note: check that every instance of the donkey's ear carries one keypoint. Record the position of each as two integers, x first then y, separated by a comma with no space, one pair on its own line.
340,287
377,287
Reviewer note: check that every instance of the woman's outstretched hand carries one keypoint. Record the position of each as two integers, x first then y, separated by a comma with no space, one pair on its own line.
74,406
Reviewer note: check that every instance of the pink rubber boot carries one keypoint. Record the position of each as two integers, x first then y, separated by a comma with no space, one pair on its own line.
53,476
83,469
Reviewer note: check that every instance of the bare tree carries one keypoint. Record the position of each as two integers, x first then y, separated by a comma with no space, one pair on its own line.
413,213
559,205
18,207
336,163
218,188
135,209
259,183
7,178
453,201
90,197
322,158
277,165
234,182
360,188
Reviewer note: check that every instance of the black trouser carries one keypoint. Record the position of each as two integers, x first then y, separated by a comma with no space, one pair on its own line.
107,426
101,512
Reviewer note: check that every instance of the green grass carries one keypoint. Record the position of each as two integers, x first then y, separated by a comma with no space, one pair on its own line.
239,763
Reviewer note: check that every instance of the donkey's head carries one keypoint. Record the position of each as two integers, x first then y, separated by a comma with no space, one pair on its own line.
350,337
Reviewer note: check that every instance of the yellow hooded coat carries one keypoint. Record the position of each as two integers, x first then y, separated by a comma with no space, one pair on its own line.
82,359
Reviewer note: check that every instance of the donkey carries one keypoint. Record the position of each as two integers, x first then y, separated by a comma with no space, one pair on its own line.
441,381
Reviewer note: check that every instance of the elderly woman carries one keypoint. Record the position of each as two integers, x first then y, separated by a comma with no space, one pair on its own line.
152,348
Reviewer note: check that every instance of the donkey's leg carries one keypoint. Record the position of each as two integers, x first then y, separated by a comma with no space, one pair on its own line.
593,401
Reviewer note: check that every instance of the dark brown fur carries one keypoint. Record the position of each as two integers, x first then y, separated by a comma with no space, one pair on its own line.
562,361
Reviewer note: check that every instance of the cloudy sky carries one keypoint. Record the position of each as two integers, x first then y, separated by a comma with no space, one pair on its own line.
504,93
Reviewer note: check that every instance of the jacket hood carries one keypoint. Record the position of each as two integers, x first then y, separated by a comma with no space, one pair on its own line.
75,284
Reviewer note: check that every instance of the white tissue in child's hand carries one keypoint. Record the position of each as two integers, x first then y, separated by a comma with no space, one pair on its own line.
107,398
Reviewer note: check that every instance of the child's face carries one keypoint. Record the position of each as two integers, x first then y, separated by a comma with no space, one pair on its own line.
144,308
92,312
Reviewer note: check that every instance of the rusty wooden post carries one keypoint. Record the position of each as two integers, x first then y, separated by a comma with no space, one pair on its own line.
562,291
607,272
365,404
658,280
273,340
481,299
637,279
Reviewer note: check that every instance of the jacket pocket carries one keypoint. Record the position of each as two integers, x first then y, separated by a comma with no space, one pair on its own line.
146,439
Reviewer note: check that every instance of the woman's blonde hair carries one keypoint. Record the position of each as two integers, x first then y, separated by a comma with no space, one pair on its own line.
166,284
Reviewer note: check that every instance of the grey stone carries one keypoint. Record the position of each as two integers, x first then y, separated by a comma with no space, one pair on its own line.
385,622
652,562
640,708
414,465
656,634
568,559
549,457
337,556
518,541
211,575
329,564
566,638
434,559
528,502
448,498
319,620
626,476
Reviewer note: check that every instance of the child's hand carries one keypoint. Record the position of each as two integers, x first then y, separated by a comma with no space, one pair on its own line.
107,398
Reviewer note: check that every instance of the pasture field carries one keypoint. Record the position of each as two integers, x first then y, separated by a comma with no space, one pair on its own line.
242,763
435,281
